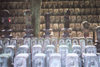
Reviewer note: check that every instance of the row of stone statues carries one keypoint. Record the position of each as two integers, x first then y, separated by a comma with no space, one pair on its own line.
48,55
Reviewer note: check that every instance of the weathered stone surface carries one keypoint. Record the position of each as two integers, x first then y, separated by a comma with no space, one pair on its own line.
68,42
72,60
49,50
36,49
55,60
63,50
82,43
22,60
90,60
27,41
34,41
13,41
41,41
39,60
23,49
75,41
5,60
90,49
62,41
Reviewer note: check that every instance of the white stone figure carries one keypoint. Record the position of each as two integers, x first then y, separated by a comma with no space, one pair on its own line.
6,41
63,50
75,41
39,60
49,50
5,60
20,41
36,49
46,42
34,41
13,41
10,49
72,60
41,41
77,49
54,41
62,41
90,49
90,60
23,49
82,43
55,60
89,41
27,41
98,54
22,60
68,42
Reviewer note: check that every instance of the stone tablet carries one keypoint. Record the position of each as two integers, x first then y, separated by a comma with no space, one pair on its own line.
10,49
90,49
55,60
34,41
27,41
63,50
62,41
13,41
22,60
75,41
90,60
23,49
82,43
72,60
77,50
5,60
49,50
68,42
36,49
39,60
41,41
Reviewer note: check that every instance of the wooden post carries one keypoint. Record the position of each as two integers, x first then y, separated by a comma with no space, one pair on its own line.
35,9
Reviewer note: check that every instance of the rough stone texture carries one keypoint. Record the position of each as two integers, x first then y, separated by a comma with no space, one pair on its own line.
89,41
27,41
72,60
23,49
34,41
36,49
39,60
49,50
54,41
62,41
41,41
63,50
77,49
22,60
98,54
82,43
13,41
55,60
68,42
75,41
90,60
90,49
6,41
5,60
